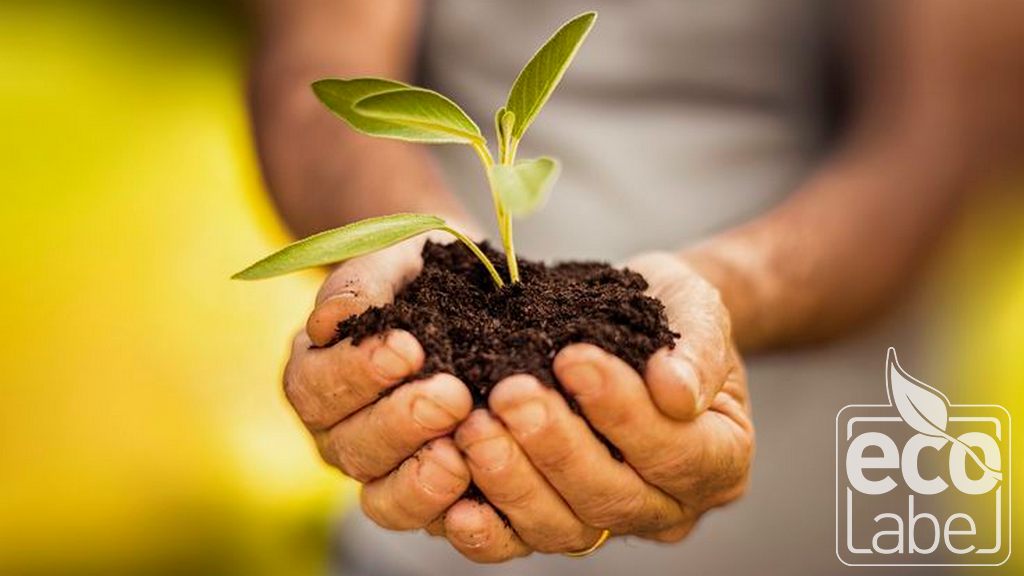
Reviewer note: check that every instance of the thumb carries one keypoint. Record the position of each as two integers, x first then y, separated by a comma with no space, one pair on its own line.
355,285
684,380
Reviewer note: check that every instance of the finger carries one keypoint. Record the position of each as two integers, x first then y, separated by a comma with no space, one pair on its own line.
371,280
684,380
673,534
436,526
478,533
373,441
420,490
327,385
511,484
690,460
602,492
674,385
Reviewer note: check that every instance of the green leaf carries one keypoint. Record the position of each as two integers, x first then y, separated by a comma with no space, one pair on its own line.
503,122
498,131
524,186
340,96
341,244
543,72
508,121
422,109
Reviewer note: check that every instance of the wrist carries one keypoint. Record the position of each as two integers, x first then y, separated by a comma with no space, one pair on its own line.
746,284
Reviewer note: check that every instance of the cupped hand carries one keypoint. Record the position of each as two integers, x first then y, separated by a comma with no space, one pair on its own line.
396,440
683,428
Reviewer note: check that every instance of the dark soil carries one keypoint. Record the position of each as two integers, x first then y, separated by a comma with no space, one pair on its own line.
480,334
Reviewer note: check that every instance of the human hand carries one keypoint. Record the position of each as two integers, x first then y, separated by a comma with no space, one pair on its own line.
684,430
399,445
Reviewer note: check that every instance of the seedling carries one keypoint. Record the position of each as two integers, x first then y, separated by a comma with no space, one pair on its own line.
391,109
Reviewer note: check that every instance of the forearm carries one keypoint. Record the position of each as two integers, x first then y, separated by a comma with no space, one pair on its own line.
932,116
320,173
837,251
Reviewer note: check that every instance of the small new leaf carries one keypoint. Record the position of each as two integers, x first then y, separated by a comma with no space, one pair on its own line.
422,109
341,244
543,72
524,186
341,95
503,122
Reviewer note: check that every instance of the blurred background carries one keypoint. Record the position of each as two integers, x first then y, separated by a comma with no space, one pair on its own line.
142,427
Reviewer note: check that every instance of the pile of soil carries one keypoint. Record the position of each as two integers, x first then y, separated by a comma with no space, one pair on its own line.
481,334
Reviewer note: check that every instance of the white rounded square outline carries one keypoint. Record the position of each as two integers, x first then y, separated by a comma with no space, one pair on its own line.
1009,487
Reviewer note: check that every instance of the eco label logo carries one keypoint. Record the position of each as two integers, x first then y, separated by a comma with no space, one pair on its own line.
920,481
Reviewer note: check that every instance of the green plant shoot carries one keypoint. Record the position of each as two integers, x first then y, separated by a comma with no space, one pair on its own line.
392,109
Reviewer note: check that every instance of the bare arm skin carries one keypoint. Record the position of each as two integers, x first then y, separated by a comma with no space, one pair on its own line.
938,106
320,173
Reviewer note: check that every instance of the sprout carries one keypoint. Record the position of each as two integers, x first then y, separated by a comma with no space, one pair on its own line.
391,109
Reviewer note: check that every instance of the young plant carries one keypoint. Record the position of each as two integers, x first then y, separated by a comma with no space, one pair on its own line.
391,109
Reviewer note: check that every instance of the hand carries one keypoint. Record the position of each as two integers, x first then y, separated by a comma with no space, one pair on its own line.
684,429
399,445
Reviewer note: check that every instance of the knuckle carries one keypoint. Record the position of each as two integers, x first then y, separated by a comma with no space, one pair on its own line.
617,510
672,468
672,535
618,417
729,495
553,446
405,518
395,431
747,447
378,511
307,405
435,491
514,495
345,457
362,367
554,455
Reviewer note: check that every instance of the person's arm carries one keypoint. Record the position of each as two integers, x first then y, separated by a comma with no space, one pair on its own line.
320,173
941,88
938,105
367,420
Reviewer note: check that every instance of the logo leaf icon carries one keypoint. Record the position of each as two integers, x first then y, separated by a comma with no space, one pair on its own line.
924,408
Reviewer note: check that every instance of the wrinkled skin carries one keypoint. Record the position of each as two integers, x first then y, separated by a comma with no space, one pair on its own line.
683,427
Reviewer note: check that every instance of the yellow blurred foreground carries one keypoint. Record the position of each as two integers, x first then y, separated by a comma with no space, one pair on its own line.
142,429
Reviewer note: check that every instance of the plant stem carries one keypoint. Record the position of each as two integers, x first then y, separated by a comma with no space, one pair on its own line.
478,253
504,218
511,149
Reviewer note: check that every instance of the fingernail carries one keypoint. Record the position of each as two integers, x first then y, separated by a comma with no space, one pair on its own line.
389,362
435,478
334,299
432,415
686,375
491,454
527,418
584,378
